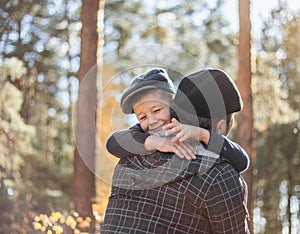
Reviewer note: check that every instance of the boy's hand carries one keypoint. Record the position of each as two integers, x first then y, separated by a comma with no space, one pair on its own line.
182,149
184,132
163,144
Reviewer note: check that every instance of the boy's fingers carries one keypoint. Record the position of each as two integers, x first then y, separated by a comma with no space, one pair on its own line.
181,152
174,120
173,131
177,137
166,127
190,150
187,151
169,126
183,138
178,153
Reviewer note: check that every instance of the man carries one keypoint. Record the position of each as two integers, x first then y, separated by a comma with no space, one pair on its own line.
149,196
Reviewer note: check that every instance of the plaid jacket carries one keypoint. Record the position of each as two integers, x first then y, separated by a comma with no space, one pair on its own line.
162,193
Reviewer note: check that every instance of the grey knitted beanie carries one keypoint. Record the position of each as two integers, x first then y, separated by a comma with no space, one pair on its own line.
156,78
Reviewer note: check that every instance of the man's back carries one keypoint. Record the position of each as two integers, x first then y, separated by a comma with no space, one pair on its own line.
192,202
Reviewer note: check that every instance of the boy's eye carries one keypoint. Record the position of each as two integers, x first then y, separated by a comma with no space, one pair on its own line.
142,117
157,110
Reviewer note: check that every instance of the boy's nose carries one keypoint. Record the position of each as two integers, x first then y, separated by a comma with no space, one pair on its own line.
152,120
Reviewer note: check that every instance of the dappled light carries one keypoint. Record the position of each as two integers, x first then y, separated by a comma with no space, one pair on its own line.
53,180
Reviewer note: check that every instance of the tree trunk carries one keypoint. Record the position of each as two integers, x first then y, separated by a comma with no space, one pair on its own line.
84,157
245,118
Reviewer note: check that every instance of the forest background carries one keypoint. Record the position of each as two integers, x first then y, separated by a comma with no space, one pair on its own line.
39,88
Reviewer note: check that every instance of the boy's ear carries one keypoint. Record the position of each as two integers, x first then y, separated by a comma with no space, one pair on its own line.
221,127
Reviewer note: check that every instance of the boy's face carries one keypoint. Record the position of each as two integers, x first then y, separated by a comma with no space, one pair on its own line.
153,112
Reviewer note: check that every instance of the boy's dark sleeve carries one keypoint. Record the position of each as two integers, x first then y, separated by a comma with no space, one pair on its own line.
128,142
230,150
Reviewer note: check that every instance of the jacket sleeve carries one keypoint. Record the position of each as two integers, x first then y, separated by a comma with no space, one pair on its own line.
230,150
128,142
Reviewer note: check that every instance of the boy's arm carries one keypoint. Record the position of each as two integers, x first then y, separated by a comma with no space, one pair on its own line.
134,141
129,142
232,151
215,142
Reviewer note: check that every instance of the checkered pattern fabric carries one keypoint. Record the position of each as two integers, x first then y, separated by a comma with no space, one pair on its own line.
143,172
210,202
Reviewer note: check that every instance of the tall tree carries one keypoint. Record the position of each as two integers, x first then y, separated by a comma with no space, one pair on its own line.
245,118
32,31
84,157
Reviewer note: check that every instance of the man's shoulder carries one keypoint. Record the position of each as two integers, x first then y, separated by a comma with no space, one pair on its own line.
220,179
222,169
224,179
220,172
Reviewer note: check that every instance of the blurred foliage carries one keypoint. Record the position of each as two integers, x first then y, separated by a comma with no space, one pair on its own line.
277,162
39,57
57,223
276,89
16,143
38,61
29,180
196,30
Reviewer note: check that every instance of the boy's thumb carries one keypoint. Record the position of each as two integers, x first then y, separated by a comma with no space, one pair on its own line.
174,120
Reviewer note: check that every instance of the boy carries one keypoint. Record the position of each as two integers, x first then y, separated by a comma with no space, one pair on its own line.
149,96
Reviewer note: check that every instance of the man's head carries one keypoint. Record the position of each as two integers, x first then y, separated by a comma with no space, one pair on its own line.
149,96
207,98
